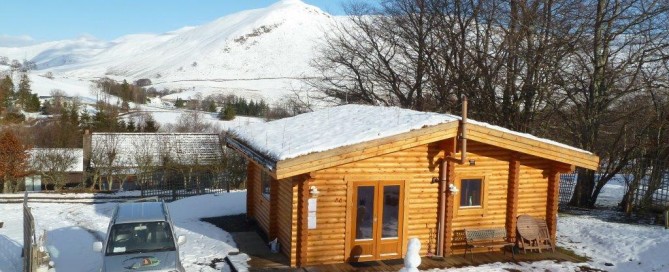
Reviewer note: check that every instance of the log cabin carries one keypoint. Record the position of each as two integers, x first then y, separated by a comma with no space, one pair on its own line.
354,183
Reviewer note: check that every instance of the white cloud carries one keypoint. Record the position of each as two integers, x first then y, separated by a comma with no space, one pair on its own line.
16,41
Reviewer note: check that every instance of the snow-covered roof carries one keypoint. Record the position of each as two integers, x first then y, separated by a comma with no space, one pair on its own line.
346,125
182,148
75,154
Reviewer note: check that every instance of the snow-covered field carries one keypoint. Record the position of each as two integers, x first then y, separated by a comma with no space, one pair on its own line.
72,228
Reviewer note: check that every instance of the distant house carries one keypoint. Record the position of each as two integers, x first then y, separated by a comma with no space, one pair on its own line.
47,164
354,183
129,156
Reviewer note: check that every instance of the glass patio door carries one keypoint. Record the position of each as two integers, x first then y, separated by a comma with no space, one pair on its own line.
377,220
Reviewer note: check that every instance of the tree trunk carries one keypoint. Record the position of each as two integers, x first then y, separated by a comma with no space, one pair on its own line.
583,190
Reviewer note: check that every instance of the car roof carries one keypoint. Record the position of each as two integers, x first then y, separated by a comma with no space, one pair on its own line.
140,212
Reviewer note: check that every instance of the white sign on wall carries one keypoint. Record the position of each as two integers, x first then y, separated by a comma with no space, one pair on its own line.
311,216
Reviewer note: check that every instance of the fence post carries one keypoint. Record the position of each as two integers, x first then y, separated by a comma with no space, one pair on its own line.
666,219
27,235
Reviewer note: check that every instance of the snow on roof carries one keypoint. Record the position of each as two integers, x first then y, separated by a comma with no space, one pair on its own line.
153,148
76,153
344,126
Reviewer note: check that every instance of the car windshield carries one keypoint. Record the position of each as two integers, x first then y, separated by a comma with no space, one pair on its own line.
139,238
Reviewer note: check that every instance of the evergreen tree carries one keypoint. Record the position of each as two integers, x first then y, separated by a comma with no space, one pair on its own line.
227,113
179,103
150,124
85,120
6,92
23,93
212,106
33,105
126,95
131,125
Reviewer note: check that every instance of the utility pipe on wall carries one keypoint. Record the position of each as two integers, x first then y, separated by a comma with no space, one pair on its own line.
442,179
463,136
442,208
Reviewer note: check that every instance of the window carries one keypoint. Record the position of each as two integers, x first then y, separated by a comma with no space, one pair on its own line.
265,184
471,199
470,192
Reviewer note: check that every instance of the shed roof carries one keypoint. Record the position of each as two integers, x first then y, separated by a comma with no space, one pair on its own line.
182,148
353,129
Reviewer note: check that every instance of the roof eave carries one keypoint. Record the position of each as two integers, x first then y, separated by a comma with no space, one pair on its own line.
532,147
251,154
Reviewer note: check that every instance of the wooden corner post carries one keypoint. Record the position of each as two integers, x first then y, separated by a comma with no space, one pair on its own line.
512,197
450,201
302,223
553,201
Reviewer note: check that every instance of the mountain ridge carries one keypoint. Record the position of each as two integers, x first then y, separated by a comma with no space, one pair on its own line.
277,41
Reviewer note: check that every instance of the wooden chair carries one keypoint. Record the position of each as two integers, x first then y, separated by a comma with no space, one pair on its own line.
533,234
544,241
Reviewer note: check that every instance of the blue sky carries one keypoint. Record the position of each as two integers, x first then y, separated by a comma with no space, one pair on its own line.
30,21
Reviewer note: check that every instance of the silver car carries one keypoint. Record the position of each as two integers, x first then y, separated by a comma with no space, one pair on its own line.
140,237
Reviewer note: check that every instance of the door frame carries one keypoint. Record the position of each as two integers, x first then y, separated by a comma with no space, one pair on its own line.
350,180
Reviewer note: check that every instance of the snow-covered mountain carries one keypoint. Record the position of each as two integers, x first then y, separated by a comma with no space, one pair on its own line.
261,52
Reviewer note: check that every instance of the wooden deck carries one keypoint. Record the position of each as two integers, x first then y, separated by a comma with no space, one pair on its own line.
257,263
254,244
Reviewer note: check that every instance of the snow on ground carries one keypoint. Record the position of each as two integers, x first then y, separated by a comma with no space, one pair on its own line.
623,246
71,230
164,116
611,246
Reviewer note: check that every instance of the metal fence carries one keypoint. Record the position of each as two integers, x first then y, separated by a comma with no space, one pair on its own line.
171,185
33,256
29,240
567,184
652,193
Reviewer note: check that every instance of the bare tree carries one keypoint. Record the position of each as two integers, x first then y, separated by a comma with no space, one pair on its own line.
426,54
145,158
53,164
616,41
104,154
192,121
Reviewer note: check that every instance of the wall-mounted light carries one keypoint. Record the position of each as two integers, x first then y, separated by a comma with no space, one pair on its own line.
453,189
314,191
472,162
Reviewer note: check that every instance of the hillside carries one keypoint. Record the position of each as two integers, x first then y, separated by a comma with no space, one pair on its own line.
259,53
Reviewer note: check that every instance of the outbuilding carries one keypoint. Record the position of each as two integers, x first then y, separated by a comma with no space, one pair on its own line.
354,183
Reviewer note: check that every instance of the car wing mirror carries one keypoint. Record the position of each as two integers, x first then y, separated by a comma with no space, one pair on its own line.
97,246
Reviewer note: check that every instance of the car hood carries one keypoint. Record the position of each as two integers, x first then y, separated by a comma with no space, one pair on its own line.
151,261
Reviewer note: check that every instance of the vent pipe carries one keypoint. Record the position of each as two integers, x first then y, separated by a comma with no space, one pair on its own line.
463,135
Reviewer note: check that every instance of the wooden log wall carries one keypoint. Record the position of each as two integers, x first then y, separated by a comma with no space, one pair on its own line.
419,164
261,207
284,199
494,164
285,217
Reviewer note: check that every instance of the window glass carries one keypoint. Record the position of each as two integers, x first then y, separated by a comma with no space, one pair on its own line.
140,238
365,213
470,193
391,208
265,180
